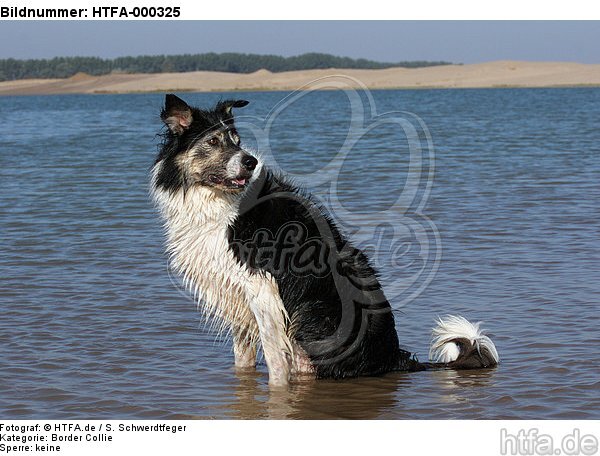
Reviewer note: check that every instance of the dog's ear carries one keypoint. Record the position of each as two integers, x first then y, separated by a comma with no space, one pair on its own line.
239,103
226,106
176,114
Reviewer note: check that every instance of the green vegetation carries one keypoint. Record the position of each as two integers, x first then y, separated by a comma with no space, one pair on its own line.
64,67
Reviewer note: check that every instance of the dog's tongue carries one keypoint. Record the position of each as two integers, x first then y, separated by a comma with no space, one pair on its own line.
240,181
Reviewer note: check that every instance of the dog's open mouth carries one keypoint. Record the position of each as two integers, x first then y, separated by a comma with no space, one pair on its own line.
239,182
235,183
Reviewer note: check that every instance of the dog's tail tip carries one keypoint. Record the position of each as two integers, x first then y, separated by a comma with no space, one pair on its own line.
460,344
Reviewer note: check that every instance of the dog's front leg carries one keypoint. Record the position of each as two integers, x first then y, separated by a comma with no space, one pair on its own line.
273,322
244,350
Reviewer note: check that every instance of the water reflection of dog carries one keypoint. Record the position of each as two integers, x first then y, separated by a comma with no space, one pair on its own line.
364,398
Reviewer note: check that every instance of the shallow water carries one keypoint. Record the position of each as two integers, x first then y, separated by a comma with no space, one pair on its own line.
93,327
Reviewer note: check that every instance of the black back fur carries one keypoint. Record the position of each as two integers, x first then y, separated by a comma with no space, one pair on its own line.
339,314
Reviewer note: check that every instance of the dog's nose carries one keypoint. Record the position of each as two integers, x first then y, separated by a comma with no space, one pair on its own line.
249,162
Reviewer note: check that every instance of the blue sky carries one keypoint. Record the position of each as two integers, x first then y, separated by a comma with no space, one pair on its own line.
455,41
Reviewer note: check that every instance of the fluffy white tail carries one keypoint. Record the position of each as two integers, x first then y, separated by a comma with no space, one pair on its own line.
461,344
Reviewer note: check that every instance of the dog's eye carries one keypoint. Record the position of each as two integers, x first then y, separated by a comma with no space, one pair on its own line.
213,141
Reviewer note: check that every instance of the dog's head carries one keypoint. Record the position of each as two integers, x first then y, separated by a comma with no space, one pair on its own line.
202,147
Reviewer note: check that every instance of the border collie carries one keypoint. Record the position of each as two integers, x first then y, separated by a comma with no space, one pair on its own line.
246,242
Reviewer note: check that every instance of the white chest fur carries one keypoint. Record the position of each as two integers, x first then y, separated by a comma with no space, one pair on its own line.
249,304
196,225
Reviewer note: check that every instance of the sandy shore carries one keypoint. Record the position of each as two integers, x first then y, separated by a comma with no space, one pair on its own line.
492,74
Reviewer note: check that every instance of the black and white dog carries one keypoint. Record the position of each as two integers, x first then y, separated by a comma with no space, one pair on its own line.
273,268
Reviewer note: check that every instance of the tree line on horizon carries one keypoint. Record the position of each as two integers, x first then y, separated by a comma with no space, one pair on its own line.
64,67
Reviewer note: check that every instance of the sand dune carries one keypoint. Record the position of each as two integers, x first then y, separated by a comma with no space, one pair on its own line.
492,74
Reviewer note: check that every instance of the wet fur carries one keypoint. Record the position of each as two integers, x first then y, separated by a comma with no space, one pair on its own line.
337,324
342,320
